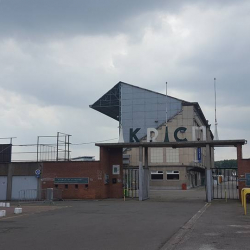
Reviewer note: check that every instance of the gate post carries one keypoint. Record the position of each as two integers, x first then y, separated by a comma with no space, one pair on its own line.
9,181
141,174
208,174
146,176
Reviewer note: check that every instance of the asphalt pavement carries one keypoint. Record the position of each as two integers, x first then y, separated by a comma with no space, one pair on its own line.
222,226
169,220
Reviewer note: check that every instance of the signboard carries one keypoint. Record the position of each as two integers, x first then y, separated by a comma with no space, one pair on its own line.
247,179
199,154
38,173
242,179
116,169
84,180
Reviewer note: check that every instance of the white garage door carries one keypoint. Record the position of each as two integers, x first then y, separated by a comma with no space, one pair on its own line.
3,188
27,183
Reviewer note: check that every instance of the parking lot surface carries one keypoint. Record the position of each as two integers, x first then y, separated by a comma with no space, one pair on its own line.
169,220
104,224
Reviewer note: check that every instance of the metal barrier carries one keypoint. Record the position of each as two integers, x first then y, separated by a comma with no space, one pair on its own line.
44,195
51,194
131,182
225,183
28,195
244,193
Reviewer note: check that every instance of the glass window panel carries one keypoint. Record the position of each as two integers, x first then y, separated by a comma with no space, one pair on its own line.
172,155
156,155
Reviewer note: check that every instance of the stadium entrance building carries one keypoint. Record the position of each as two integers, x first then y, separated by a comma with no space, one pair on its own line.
141,114
176,154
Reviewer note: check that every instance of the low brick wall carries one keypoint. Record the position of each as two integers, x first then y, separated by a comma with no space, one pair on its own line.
243,168
95,171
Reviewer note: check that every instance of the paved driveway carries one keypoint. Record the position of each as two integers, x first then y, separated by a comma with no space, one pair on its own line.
107,224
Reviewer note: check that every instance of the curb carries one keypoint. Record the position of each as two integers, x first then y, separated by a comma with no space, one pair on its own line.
179,235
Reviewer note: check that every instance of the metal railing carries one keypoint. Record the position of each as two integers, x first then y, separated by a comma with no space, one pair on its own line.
28,195
131,182
225,183
51,194
44,195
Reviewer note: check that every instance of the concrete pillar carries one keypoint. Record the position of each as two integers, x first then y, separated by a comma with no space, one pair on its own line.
239,152
141,173
208,174
39,182
146,157
9,181
241,172
147,171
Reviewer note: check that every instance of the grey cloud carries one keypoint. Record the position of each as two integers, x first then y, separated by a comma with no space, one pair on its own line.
66,17
60,18
67,73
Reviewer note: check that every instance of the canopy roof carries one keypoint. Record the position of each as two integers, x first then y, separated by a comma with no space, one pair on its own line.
186,144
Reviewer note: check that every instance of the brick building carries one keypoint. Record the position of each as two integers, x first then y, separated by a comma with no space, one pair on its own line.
75,180
243,170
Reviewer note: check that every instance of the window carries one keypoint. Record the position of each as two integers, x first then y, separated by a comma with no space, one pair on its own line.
156,155
173,175
66,186
76,186
156,175
56,186
172,155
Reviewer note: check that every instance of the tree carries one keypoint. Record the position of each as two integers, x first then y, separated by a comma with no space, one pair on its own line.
226,164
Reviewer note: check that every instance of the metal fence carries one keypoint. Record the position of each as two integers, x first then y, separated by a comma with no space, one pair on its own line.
225,183
51,194
34,195
28,195
131,182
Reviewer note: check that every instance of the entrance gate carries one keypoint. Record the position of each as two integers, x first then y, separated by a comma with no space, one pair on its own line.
131,182
229,183
225,183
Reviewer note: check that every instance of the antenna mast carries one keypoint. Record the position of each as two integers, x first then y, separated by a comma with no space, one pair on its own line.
166,131
216,137
166,103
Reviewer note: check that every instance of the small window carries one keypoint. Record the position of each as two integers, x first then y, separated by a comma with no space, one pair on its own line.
173,175
156,175
66,186
76,186
172,155
156,155
56,186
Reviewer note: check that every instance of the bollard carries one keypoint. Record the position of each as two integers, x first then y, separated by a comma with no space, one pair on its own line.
18,210
2,213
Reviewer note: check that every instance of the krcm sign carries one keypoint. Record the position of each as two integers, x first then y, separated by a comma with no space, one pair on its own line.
152,134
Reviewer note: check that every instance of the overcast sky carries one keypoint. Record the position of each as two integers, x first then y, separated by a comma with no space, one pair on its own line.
59,56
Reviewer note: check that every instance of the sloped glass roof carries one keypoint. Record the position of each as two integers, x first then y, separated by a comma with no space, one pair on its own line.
109,103
138,108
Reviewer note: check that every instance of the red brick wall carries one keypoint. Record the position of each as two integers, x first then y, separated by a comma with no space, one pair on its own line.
72,169
243,168
95,171
110,157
